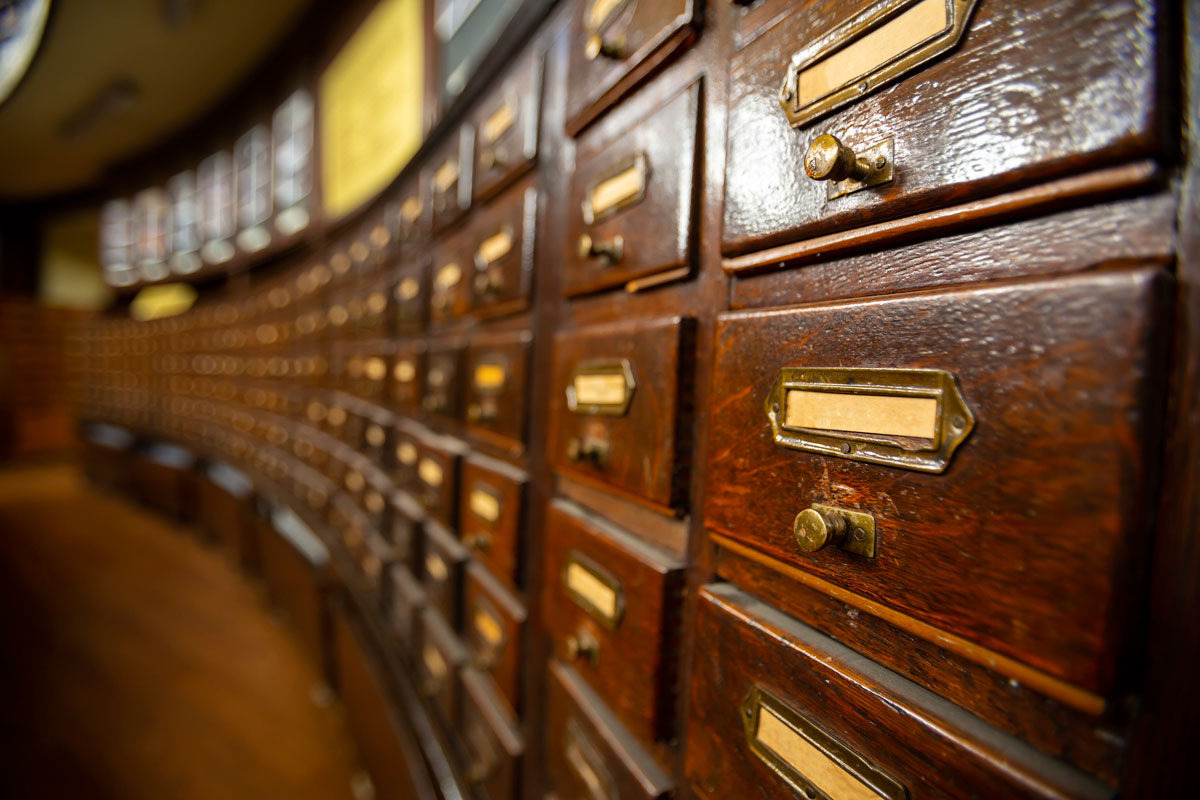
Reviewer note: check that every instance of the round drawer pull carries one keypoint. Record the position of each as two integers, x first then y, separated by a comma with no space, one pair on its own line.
480,542
814,529
609,250
596,46
588,451
828,159
583,644
490,159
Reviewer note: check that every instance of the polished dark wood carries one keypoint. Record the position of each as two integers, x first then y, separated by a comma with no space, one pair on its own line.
490,739
968,124
655,229
443,566
451,197
507,123
634,665
927,745
494,629
1053,370
499,543
499,284
498,413
439,657
648,445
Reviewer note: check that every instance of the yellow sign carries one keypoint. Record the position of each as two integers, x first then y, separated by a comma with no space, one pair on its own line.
372,106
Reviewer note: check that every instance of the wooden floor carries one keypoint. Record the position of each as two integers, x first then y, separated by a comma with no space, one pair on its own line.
135,662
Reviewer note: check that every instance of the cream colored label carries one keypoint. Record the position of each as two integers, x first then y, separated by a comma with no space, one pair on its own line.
407,289
435,665
484,505
618,190
376,436
446,175
489,628
404,371
435,567
406,453
827,774
883,415
924,20
337,416
448,275
497,124
600,389
490,376
587,585
375,368
430,472
495,247
410,210
598,12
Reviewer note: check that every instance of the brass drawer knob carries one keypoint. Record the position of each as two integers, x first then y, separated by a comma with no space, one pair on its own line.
583,644
820,526
590,451
597,46
828,159
609,251
489,282
490,159
480,542
814,529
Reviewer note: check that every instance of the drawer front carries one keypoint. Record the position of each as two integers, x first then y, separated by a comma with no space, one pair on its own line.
443,380
491,519
437,479
410,297
408,601
439,660
630,210
620,408
443,565
971,410
408,372
615,44
449,176
491,741
409,216
506,125
501,251
778,710
375,305
497,379
375,440
493,621
404,530
587,755
450,281
962,124
612,608
406,455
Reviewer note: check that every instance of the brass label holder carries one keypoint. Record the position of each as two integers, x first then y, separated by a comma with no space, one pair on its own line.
586,763
594,590
601,387
884,43
808,759
619,188
904,418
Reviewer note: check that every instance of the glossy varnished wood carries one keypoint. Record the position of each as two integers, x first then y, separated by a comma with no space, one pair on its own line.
499,413
499,542
929,746
493,627
1057,373
1019,100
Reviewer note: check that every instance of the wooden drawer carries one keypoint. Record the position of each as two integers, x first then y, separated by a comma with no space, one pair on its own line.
408,601
443,379
492,517
406,455
493,621
439,660
615,44
778,710
973,121
611,604
375,443
631,211
404,530
449,178
373,321
1004,460
443,563
588,754
492,743
410,297
500,251
621,406
408,372
437,477
409,216
506,125
497,385
450,281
